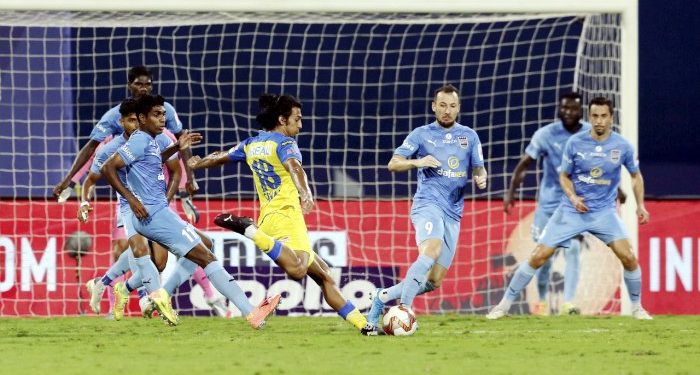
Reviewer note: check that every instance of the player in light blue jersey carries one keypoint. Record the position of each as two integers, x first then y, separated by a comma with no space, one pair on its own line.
547,145
139,84
589,176
123,256
444,152
153,218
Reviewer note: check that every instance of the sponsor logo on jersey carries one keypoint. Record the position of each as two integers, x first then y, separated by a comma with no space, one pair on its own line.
598,148
448,136
615,156
463,142
453,162
128,153
451,174
596,172
408,146
593,181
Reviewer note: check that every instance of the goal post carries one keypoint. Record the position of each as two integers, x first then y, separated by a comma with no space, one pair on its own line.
364,71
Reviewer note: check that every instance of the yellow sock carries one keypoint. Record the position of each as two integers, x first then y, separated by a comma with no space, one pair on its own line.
263,241
357,319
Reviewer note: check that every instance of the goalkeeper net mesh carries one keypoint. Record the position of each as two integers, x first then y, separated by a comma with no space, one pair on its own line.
365,81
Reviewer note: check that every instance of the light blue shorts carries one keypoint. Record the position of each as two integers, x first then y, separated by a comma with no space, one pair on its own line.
431,222
125,216
168,229
563,226
539,222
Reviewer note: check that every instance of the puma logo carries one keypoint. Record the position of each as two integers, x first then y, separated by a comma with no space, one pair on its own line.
432,142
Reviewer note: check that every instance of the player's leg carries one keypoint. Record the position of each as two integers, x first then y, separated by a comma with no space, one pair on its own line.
543,273
182,240
280,253
610,229
321,275
572,255
559,229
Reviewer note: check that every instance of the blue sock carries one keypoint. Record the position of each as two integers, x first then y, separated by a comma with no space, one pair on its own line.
543,279
227,285
142,292
633,281
415,278
118,268
183,271
134,282
520,279
573,267
394,292
149,273
346,309
276,250
106,280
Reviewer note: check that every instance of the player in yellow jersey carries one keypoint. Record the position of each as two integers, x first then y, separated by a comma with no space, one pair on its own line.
285,197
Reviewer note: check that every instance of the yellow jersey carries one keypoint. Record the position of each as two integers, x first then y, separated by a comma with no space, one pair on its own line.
265,154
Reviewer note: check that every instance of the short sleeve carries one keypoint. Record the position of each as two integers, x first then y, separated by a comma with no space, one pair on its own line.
134,149
534,148
108,125
288,149
164,141
567,157
237,152
410,145
477,155
631,161
172,120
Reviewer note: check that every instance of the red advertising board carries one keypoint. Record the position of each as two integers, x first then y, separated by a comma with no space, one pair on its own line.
37,277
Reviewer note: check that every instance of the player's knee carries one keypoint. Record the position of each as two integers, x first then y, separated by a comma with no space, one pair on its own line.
297,273
629,261
139,250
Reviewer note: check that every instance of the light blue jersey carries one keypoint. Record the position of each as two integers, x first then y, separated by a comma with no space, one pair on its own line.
548,144
144,168
594,168
458,149
101,156
109,123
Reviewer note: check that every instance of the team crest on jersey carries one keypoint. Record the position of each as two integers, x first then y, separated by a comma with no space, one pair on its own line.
615,156
463,142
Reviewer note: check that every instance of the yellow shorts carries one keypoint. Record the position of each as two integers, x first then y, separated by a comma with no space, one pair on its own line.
287,226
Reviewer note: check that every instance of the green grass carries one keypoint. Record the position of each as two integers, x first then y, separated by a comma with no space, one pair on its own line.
449,344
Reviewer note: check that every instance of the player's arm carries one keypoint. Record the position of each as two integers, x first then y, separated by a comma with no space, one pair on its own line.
293,166
86,194
214,159
568,186
515,181
479,176
399,163
109,171
80,160
175,176
638,190
185,155
621,196
183,143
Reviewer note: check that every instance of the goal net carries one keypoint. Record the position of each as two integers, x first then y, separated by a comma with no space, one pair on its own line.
365,81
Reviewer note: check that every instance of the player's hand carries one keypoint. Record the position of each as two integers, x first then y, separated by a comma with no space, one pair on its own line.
84,212
138,209
428,162
191,186
480,181
307,203
193,161
578,204
508,202
188,139
63,185
642,215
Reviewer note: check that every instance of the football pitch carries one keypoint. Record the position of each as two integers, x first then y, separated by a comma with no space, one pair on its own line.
444,344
